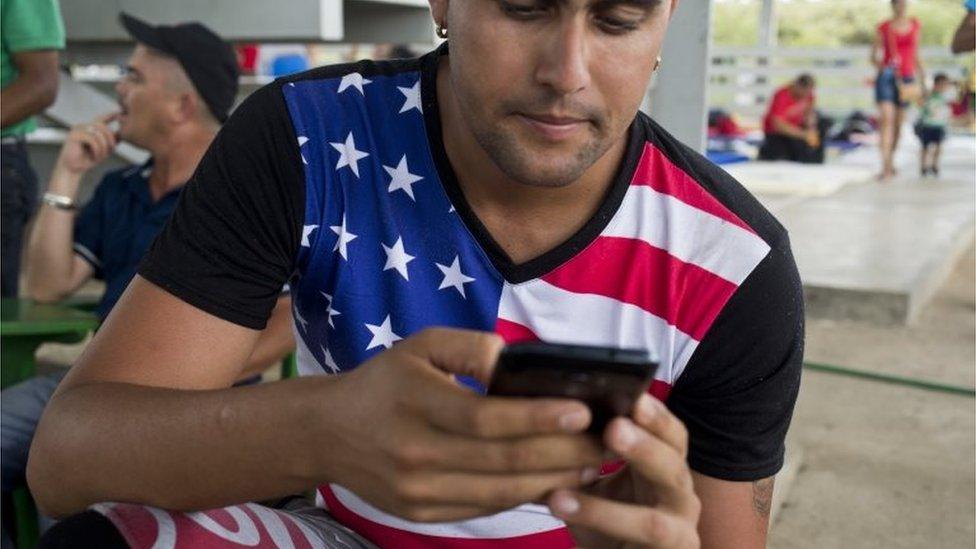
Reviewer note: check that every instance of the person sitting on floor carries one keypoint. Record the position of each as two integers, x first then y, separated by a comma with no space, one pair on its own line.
793,129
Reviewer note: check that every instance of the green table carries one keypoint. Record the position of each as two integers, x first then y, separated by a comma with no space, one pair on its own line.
24,326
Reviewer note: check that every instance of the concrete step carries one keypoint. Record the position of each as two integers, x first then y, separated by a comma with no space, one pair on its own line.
876,252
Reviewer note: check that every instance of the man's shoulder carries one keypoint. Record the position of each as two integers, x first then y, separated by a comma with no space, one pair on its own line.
38,26
269,101
692,178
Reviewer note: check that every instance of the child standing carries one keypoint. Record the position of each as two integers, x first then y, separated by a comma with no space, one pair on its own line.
932,122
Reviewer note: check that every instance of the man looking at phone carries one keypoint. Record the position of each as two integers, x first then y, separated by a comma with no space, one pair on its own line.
505,182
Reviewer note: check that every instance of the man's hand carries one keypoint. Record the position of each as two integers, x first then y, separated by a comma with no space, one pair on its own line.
651,502
54,270
87,146
418,445
812,138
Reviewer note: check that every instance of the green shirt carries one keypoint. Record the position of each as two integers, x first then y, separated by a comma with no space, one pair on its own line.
936,111
26,25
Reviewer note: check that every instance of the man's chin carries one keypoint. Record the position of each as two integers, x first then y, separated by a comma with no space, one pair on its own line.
550,166
539,163
547,174
129,137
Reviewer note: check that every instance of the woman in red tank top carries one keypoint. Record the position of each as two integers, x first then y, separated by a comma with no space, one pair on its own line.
895,54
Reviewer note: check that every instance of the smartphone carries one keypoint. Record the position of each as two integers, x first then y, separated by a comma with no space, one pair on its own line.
607,379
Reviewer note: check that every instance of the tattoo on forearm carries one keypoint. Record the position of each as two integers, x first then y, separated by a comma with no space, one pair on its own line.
762,496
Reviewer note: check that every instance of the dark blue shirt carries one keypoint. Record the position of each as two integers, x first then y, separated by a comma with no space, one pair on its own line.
116,227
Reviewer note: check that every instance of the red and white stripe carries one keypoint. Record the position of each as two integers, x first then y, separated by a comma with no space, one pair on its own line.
233,527
526,526
656,278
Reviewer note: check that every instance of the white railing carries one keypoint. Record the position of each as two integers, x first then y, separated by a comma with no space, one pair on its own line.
741,80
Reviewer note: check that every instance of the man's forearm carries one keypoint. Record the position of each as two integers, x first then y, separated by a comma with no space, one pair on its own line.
786,128
28,95
184,450
50,254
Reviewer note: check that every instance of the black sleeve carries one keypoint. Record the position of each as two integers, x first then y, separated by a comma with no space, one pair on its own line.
231,243
737,392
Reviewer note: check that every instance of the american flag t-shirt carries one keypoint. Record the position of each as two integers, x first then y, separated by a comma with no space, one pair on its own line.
388,248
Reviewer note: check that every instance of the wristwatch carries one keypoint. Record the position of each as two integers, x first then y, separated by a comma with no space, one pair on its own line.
59,201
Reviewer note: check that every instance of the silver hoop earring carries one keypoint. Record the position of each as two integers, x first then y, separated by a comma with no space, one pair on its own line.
658,64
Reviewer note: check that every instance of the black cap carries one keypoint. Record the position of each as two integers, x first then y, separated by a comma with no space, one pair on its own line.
208,60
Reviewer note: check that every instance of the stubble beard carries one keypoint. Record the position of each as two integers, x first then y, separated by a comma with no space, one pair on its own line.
523,165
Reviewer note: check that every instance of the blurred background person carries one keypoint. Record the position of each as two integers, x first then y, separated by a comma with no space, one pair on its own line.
32,34
900,76
793,129
179,86
935,115
964,39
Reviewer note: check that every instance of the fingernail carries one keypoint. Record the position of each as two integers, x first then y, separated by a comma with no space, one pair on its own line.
564,504
626,435
589,474
573,421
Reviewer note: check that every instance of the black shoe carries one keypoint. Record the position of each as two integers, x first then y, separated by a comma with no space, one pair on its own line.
925,172
934,171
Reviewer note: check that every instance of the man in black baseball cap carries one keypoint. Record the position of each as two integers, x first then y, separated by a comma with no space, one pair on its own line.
180,82
209,61
179,85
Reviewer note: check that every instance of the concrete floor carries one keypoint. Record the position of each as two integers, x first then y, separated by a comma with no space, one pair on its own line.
888,466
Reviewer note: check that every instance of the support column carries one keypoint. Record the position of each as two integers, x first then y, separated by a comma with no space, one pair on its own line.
678,95
768,27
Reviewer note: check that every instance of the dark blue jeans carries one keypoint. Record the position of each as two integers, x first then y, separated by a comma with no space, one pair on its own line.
18,200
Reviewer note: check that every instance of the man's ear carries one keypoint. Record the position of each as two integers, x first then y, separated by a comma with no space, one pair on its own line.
674,8
438,10
187,107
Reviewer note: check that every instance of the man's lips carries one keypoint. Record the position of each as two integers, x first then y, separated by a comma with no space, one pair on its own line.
554,120
554,127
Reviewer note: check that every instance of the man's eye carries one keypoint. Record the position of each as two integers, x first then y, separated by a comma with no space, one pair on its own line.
520,11
615,25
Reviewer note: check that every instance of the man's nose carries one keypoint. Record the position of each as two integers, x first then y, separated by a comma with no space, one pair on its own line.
564,64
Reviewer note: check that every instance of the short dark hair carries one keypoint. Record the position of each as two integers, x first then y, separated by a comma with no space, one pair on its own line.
806,80
940,77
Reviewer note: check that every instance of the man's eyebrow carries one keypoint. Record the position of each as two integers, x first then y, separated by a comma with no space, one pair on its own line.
648,5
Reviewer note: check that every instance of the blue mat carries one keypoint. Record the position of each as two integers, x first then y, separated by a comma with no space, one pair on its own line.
726,157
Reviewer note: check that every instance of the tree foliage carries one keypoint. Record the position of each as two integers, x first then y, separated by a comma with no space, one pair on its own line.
829,23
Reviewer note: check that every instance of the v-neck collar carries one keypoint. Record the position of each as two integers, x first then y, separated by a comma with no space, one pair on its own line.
515,273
